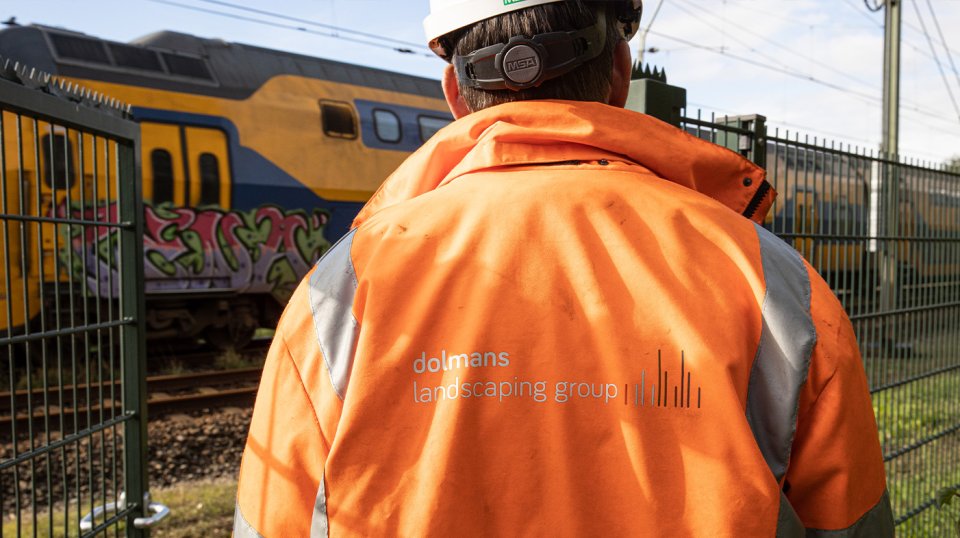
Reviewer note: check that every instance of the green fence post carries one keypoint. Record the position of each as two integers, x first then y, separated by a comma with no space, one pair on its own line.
752,144
133,308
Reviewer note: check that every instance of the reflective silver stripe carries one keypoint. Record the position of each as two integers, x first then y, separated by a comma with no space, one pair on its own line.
333,286
242,529
783,356
319,527
788,522
876,523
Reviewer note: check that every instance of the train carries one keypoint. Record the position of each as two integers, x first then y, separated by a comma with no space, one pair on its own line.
254,161
835,209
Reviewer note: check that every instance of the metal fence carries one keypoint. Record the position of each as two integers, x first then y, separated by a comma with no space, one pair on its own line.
885,233
72,414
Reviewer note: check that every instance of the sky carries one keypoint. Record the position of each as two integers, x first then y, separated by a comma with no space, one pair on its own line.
812,67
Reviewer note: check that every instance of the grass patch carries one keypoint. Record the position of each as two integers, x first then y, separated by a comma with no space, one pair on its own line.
263,333
197,509
915,420
234,360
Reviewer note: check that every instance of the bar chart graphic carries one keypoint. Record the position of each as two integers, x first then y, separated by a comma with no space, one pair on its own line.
665,391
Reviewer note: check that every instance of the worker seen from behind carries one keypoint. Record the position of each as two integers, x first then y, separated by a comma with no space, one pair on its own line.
562,318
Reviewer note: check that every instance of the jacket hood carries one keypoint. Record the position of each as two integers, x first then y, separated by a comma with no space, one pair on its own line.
533,132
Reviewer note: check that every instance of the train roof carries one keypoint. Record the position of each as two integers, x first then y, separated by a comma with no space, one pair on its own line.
186,63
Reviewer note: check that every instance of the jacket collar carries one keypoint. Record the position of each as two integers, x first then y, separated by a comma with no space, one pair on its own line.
534,132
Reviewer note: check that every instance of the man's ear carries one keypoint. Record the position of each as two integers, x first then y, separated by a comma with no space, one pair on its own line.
622,70
451,90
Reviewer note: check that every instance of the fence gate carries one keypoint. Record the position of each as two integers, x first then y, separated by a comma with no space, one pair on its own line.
72,357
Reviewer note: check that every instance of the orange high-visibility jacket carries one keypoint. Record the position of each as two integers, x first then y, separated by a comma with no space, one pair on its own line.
554,319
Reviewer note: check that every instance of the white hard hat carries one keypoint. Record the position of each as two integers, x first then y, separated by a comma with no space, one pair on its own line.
447,16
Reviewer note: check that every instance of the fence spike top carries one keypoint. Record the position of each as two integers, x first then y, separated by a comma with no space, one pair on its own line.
58,86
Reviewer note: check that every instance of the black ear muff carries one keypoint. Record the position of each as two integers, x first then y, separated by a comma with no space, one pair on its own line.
529,61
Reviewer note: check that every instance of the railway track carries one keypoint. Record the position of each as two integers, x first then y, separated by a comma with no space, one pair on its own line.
80,405
193,354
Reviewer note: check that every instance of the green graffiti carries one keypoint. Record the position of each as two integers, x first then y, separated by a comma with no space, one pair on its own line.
310,242
228,255
161,263
283,278
165,211
252,235
107,248
194,257
70,265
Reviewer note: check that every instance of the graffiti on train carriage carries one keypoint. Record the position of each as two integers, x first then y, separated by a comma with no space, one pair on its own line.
265,250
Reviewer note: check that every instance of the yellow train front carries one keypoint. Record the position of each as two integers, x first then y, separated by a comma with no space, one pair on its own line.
254,161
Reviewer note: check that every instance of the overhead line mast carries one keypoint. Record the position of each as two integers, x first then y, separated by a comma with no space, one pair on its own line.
890,150
891,77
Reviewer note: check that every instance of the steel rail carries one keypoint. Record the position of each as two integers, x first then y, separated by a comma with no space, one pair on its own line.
165,404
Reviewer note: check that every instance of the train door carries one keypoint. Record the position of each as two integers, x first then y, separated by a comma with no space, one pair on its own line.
805,223
185,166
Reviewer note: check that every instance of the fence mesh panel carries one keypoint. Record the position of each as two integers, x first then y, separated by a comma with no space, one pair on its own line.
885,233
63,415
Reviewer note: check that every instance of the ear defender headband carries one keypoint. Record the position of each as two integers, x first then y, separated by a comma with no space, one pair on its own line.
527,62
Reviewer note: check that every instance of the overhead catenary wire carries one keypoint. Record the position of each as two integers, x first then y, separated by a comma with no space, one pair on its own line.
852,5
943,40
936,57
770,122
643,34
733,38
863,96
774,43
841,137
263,22
318,24
811,59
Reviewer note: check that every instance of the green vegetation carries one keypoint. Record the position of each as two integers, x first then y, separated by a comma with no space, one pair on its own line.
953,164
198,509
233,360
913,419
945,500
268,333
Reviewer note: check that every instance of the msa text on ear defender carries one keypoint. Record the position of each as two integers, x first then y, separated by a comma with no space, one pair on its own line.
526,62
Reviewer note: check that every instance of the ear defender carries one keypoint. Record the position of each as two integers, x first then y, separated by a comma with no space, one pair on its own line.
529,61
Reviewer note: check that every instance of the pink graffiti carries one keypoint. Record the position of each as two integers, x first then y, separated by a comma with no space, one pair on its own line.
267,250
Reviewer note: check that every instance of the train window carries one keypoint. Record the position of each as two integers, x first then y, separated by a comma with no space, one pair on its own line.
209,179
387,126
135,57
338,120
162,164
58,151
186,66
79,48
429,126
